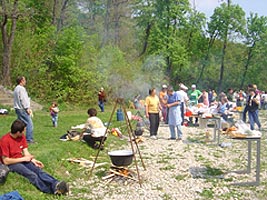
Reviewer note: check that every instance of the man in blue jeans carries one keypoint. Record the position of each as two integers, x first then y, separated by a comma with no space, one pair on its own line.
22,107
14,153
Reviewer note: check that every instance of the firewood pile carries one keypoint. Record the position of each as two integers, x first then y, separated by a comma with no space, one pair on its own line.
121,175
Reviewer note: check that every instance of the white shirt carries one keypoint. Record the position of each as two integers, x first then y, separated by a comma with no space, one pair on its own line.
96,125
183,96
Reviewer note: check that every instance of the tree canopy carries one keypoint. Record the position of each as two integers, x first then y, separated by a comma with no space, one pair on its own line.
68,49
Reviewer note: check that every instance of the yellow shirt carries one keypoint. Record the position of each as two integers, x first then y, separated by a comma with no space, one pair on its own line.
163,97
152,104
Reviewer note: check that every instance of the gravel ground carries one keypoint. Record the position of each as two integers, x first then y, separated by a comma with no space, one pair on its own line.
187,169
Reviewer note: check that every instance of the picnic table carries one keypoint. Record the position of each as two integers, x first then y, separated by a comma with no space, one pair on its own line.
248,170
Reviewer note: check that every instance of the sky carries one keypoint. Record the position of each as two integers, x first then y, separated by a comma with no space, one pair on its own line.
255,6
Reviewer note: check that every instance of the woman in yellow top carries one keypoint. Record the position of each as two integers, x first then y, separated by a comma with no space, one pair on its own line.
153,107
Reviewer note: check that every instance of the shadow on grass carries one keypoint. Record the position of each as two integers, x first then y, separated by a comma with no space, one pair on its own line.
206,172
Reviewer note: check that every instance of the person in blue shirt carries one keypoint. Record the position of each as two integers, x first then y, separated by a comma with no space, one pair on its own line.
174,114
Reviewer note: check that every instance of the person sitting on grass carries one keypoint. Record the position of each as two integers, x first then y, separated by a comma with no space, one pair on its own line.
94,130
14,153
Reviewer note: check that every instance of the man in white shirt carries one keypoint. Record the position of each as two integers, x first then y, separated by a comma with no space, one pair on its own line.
184,98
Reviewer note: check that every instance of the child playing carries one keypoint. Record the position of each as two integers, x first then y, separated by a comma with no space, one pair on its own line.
54,113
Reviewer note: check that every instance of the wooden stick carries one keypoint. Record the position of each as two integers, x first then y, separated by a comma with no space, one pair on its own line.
108,176
109,180
102,141
118,173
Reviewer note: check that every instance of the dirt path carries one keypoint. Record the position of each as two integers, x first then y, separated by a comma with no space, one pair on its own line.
188,169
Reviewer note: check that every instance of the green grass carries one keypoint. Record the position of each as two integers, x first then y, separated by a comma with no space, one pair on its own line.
207,193
51,151
180,177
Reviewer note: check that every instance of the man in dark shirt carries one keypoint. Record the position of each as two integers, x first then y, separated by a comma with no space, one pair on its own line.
253,108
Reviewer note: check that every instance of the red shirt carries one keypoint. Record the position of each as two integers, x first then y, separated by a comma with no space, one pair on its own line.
12,147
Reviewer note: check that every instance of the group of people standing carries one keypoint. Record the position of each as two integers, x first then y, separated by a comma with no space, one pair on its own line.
170,103
172,106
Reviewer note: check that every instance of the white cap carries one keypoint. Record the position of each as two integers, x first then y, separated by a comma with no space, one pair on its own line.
193,86
164,86
183,87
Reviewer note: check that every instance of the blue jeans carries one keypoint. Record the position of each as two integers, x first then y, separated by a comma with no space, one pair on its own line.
254,118
40,179
173,133
54,120
26,118
101,105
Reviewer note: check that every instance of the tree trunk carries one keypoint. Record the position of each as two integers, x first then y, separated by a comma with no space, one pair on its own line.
148,28
116,24
168,58
222,65
62,14
7,40
54,12
106,23
246,65
211,42
224,52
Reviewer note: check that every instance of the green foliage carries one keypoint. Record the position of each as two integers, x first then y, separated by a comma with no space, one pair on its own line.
227,19
157,42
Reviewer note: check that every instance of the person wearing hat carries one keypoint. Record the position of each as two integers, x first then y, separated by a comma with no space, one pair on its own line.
163,102
184,99
101,99
194,96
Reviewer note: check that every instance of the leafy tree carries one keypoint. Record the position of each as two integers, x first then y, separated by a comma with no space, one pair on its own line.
162,22
9,17
256,31
227,22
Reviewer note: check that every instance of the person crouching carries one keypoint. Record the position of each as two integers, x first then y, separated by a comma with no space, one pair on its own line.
94,130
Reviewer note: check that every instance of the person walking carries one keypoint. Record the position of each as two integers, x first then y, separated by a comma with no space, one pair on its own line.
174,116
153,107
22,107
253,109
101,99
